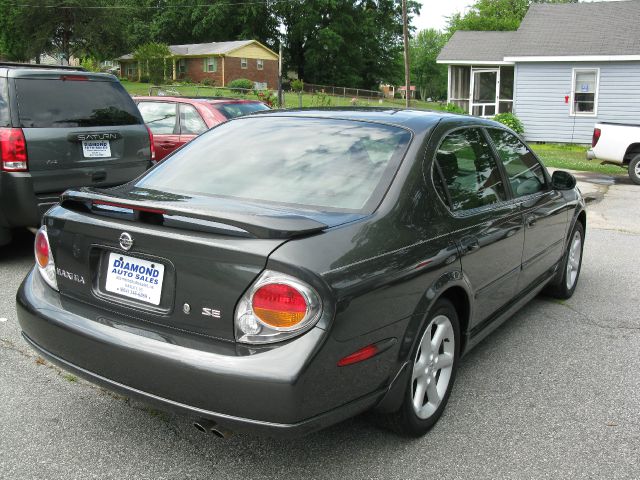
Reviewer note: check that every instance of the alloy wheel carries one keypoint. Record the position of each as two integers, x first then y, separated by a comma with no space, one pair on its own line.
433,366
573,262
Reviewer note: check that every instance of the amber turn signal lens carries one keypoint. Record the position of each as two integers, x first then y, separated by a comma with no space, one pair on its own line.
279,305
42,250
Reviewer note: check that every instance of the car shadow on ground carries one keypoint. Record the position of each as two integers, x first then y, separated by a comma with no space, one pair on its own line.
20,248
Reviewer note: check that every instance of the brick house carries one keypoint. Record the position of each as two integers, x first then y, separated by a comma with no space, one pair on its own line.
220,62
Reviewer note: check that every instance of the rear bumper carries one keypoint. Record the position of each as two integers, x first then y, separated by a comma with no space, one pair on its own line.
591,154
289,390
19,205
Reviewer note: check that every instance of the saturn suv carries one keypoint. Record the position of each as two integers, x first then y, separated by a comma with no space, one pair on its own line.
61,128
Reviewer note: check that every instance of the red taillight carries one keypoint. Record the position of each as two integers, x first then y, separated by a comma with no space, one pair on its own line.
152,146
362,354
42,249
279,305
13,150
596,136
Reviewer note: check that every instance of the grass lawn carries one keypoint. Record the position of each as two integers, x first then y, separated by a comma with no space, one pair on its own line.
291,99
572,157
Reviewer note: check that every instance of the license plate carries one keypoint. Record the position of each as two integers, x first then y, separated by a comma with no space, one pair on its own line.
135,278
96,148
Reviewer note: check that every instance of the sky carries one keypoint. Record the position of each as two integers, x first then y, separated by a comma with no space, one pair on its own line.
434,13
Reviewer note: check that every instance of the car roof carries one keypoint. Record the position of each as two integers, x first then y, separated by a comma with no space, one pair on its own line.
416,120
196,100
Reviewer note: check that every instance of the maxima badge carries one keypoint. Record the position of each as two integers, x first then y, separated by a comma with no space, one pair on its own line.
126,242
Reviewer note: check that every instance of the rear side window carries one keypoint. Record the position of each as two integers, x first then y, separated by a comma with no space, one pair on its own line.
469,170
53,103
4,104
233,110
191,122
160,117
523,169
325,164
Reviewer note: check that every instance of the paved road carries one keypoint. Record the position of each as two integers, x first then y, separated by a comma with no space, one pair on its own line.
554,393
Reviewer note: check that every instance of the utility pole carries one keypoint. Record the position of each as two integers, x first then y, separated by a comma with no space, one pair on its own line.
405,31
280,96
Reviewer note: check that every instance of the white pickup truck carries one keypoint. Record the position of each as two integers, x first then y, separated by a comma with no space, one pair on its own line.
618,144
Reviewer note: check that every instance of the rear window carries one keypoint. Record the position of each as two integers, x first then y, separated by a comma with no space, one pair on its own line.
48,103
4,104
324,164
233,110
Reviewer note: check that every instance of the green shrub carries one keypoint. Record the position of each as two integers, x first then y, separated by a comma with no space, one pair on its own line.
240,84
511,121
267,97
209,82
297,85
144,79
453,108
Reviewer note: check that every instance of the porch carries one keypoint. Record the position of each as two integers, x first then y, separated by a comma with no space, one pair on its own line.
481,90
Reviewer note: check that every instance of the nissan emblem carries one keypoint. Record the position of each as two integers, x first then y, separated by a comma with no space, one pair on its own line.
126,242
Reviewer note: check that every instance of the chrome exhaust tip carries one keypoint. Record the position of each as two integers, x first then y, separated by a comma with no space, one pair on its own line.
209,426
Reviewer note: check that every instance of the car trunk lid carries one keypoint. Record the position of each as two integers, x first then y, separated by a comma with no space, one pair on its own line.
80,129
179,263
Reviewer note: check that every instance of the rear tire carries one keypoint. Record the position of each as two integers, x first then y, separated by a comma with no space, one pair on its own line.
432,369
567,278
634,169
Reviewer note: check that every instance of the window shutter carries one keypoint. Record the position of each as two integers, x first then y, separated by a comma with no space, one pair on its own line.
204,64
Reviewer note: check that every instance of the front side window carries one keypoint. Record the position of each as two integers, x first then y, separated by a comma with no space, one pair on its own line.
191,122
160,117
260,64
307,163
584,92
211,64
243,63
469,170
523,169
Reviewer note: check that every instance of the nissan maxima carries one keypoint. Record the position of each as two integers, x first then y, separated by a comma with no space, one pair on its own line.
288,270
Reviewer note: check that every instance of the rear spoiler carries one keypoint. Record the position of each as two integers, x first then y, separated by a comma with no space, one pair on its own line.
180,215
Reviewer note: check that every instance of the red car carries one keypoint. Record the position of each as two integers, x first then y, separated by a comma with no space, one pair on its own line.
175,121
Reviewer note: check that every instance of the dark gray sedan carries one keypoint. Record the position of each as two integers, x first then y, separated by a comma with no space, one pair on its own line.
285,271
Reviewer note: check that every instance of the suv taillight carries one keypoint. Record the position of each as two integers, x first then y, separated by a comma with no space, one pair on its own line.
13,150
596,136
152,146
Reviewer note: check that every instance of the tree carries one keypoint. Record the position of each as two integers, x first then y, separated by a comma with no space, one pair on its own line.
69,27
153,60
429,77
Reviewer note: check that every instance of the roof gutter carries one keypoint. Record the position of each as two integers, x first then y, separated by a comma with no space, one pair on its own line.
475,62
574,58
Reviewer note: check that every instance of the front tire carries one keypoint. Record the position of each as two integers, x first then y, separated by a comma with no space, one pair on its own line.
432,370
634,169
567,279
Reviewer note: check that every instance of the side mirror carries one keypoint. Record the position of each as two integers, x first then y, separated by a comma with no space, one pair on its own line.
561,180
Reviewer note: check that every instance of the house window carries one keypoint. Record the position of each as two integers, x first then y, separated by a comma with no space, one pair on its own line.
211,64
131,70
244,63
260,64
181,65
584,91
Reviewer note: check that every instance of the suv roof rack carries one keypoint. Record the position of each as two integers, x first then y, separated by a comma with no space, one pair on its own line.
39,65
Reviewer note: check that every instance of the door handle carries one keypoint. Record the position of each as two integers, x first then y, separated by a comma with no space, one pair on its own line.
531,221
168,145
469,244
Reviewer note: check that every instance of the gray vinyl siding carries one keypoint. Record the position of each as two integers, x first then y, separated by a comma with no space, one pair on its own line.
540,104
